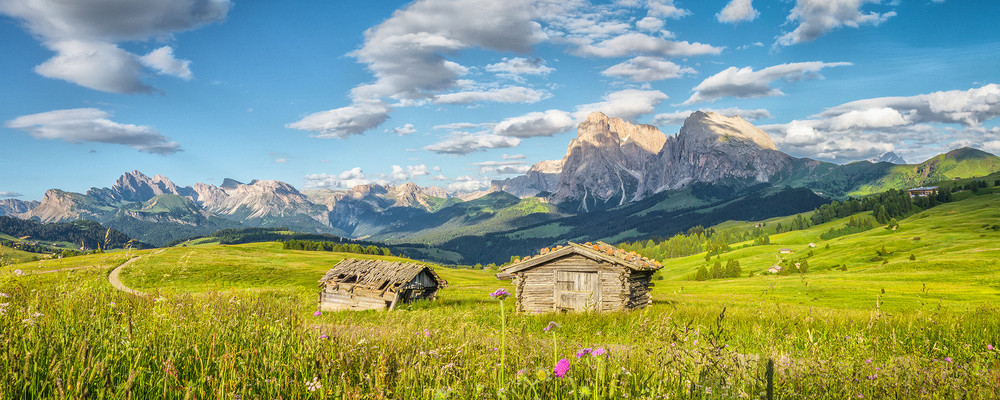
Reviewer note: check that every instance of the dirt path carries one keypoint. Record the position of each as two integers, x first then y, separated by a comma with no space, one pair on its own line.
113,277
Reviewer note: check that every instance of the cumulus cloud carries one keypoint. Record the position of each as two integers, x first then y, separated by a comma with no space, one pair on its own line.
164,62
345,180
647,69
400,173
510,94
468,184
404,130
407,55
626,104
640,43
9,194
85,36
502,167
665,9
533,124
345,121
82,125
747,83
737,11
650,24
518,66
915,126
460,143
678,117
818,17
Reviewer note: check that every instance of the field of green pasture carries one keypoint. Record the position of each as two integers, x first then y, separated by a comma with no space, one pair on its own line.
238,322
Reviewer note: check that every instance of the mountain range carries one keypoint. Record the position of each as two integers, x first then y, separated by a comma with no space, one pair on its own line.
634,179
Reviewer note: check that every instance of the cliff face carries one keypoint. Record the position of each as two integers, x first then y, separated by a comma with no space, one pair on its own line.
541,177
711,147
605,163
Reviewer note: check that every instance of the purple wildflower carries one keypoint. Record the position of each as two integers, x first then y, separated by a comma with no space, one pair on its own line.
500,294
562,367
584,352
989,347
323,337
868,361
427,333
552,325
947,359
598,352
318,313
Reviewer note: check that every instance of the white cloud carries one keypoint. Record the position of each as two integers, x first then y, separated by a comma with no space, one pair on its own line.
533,124
818,17
163,61
665,9
398,173
510,94
85,37
461,143
458,126
647,69
81,125
737,11
506,156
747,83
678,117
508,167
345,121
639,43
468,184
406,54
915,126
627,104
281,160
404,130
520,66
650,24
345,180
10,194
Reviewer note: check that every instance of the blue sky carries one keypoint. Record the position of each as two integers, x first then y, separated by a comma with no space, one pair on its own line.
454,93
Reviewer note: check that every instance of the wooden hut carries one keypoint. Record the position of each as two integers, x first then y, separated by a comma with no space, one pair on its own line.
355,284
582,277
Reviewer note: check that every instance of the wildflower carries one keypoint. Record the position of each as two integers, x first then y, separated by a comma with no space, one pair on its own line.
520,373
324,337
314,385
500,294
28,321
112,304
552,325
947,359
584,352
427,333
18,272
598,352
318,313
868,361
4,295
542,374
989,347
562,367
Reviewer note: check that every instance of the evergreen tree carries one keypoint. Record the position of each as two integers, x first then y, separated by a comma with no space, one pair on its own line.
702,274
717,271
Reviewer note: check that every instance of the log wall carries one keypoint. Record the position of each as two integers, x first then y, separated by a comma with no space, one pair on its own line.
536,287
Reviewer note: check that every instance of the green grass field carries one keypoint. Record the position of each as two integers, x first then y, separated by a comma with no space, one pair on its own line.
237,322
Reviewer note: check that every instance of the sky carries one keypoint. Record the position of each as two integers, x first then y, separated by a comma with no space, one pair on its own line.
455,93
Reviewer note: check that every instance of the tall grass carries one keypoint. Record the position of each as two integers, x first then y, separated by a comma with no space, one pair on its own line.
76,337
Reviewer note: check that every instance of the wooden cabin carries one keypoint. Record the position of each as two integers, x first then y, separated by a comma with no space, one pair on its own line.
582,277
355,284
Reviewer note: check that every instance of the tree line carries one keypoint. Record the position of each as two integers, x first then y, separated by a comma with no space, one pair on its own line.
310,245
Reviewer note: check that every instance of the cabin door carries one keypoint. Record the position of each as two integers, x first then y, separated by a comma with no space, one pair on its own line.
577,291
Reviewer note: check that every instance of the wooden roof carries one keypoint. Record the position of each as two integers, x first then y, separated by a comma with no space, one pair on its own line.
377,274
599,251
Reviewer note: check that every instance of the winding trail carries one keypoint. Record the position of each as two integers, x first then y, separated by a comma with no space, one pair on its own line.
113,277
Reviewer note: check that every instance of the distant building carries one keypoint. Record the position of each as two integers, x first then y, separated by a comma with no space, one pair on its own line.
355,284
582,277
923,191
812,244
774,269
785,251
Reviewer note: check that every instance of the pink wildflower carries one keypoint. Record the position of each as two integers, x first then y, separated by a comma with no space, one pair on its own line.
500,294
868,361
427,333
562,367
598,352
947,359
552,325
989,347
323,337
318,313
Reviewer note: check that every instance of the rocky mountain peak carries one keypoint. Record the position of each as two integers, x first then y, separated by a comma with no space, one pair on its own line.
889,157
600,129
704,130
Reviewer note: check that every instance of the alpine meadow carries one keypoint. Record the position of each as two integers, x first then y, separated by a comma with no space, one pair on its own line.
528,199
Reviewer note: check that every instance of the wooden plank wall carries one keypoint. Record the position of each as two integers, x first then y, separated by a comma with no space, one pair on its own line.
536,286
339,300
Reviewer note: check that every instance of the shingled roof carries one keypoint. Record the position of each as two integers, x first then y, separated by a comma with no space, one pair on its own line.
377,274
596,251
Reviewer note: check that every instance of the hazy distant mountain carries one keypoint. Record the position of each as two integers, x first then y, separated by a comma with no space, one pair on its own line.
888,157
14,206
543,177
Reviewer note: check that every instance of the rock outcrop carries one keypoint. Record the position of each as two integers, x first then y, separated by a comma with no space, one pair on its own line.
541,177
